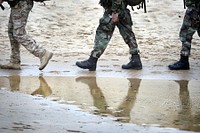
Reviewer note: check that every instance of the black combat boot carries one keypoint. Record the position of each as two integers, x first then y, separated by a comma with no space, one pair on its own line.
135,63
90,64
182,64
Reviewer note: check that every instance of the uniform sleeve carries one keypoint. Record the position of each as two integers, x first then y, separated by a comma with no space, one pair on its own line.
116,5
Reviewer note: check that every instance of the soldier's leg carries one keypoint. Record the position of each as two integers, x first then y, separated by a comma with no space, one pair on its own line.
125,28
186,33
103,35
189,27
15,46
19,17
15,60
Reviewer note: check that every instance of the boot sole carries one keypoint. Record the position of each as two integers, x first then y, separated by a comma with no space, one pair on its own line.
135,68
179,68
10,68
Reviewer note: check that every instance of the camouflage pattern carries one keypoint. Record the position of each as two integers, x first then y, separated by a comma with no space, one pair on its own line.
114,5
191,24
117,5
105,29
192,3
17,33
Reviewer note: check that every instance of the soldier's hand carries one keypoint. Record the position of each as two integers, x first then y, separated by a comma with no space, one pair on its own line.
115,18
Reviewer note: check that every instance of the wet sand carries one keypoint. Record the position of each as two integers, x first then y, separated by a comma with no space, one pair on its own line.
28,114
158,105
68,28
111,99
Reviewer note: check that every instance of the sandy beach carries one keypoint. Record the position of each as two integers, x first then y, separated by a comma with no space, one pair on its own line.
67,28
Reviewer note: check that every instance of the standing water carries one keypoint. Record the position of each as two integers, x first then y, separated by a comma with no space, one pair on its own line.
163,103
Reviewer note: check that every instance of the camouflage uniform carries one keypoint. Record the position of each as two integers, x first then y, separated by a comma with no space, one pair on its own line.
191,24
17,34
105,29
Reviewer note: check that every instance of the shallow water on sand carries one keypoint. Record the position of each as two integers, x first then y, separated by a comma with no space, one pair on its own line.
163,103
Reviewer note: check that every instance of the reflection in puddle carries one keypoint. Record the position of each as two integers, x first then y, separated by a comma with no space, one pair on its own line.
185,118
43,89
99,100
164,103
127,104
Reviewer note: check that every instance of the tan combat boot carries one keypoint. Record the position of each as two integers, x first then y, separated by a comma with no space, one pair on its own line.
14,66
45,59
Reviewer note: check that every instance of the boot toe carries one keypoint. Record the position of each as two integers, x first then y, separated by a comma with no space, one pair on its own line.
79,64
45,60
179,66
86,65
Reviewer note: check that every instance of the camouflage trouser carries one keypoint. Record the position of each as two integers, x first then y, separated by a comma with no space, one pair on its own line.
191,24
17,33
105,31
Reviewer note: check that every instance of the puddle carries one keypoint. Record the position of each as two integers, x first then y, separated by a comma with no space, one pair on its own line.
163,103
